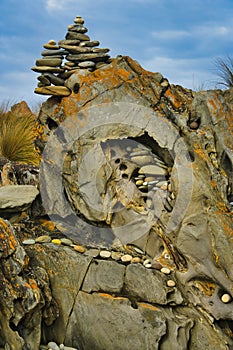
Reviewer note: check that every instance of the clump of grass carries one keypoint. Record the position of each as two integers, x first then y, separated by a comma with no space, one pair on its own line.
224,70
16,136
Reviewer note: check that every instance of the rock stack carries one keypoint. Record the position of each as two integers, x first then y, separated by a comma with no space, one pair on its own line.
80,53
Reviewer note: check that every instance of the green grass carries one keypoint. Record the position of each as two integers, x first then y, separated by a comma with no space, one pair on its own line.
16,136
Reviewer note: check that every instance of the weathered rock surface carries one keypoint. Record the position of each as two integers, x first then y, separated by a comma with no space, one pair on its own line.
89,300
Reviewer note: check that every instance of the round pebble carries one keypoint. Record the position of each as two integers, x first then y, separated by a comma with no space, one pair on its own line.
56,241
29,241
116,255
79,248
105,254
66,241
194,125
43,239
52,42
53,346
171,283
156,265
146,262
126,258
165,270
226,298
93,252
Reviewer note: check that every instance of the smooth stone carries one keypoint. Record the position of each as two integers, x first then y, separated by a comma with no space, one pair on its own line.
86,64
143,188
77,36
148,266
147,261
105,254
53,346
79,248
164,83
150,179
52,42
101,50
126,258
43,69
70,64
43,239
194,125
68,42
53,90
66,241
87,57
162,184
165,270
116,256
43,80
54,52
152,169
142,160
90,43
139,182
76,49
77,28
226,298
156,265
171,283
56,241
51,47
79,20
29,241
149,183
54,79
135,260
51,62
93,252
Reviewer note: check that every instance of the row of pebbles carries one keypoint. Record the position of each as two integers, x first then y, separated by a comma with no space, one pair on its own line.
53,346
79,52
136,257
153,175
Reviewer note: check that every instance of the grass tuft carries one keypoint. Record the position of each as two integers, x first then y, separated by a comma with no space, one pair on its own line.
224,70
16,135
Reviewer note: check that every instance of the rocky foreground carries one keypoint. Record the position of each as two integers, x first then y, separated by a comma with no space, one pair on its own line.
149,265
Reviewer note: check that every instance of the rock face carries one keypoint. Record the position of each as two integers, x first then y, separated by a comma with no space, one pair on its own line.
140,173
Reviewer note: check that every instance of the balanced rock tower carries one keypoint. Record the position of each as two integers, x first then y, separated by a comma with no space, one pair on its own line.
60,61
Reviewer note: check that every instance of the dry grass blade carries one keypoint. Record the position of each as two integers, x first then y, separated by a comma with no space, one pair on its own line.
224,70
16,136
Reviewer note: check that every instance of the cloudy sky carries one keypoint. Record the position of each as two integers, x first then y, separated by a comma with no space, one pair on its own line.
179,38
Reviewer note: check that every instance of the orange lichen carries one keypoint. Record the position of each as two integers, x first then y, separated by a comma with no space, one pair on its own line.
173,99
47,224
148,306
109,296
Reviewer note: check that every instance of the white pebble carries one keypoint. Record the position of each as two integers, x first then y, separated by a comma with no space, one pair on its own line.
53,346
105,254
171,283
126,258
29,241
226,298
165,270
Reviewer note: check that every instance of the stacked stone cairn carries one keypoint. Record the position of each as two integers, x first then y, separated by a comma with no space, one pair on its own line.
78,51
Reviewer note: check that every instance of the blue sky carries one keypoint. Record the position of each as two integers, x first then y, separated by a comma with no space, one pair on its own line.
178,38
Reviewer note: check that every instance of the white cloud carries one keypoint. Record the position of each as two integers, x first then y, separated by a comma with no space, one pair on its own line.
170,34
52,5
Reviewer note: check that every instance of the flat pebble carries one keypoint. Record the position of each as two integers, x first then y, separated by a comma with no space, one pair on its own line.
156,265
86,64
116,255
66,241
79,248
53,346
226,298
147,261
93,252
171,283
165,270
105,254
29,241
56,241
139,182
43,239
126,258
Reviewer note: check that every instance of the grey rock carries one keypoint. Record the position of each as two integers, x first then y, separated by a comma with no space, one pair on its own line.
69,42
86,64
104,275
54,79
77,36
17,197
54,53
90,43
52,62
43,69
87,57
77,28
53,346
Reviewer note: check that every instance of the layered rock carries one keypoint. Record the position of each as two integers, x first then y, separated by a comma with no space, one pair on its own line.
136,175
